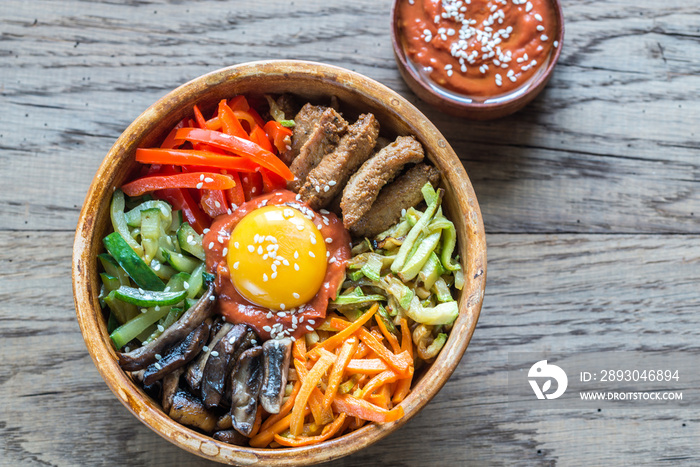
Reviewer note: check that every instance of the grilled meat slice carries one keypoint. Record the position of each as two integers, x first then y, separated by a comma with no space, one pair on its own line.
322,139
330,176
402,193
276,353
143,356
246,380
304,124
377,171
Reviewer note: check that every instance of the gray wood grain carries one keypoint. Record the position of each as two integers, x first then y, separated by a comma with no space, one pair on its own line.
590,195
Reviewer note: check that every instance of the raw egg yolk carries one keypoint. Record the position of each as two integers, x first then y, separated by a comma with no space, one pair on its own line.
277,258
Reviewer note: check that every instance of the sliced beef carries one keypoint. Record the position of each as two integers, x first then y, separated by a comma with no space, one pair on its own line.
377,171
304,124
322,139
330,176
402,193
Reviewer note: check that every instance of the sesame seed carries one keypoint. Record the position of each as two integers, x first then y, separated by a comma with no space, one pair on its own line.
332,260
265,278
267,328
251,248
211,245
224,251
186,285
556,44
232,340
212,298
157,365
324,211
538,17
544,37
235,265
200,185
311,253
528,7
205,231
269,315
329,240
160,328
296,255
205,349
214,353
260,250
309,328
312,239
540,27
282,306
300,227
236,245
157,308
143,310
201,177
296,267
295,295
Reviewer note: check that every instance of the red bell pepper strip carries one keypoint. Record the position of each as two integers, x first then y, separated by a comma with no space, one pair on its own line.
182,200
251,117
259,137
236,195
229,123
214,202
170,141
199,118
199,180
238,146
213,123
279,135
271,181
194,157
238,103
252,185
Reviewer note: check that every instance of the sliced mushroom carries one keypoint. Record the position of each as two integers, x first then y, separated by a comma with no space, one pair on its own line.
170,385
188,322
276,355
246,381
190,411
195,370
179,355
230,437
221,359
224,422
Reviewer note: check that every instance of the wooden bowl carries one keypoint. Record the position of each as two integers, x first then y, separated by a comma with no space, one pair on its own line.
473,110
311,81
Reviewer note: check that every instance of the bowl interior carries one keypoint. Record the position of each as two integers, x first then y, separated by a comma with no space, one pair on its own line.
314,82
473,110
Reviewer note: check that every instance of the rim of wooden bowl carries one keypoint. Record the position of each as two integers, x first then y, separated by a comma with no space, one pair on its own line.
473,110
274,76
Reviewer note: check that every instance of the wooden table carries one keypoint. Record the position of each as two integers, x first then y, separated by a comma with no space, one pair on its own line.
590,196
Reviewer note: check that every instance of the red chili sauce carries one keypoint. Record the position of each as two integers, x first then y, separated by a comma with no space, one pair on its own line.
237,309
478,48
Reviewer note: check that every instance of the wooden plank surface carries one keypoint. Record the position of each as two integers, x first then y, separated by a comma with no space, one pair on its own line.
590,196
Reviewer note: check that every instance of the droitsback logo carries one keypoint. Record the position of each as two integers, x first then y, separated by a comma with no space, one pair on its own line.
546,373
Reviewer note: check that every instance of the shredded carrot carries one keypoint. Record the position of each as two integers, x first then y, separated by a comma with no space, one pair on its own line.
402,363
404,385
328,431
338,338
284,410
265,437
308,384
390,337
367,366
379,380
362,350
258,422
344,355
355,407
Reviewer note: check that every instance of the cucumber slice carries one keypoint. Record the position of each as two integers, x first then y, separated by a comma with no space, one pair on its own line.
134,266
196,281
444,313
133,217
111,283
127,332
122,311
176,222
147,298
116,214
190,241
113,269
179,261
151,231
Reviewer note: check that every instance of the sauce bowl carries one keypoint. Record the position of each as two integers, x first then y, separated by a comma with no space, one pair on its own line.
311,81
463,106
